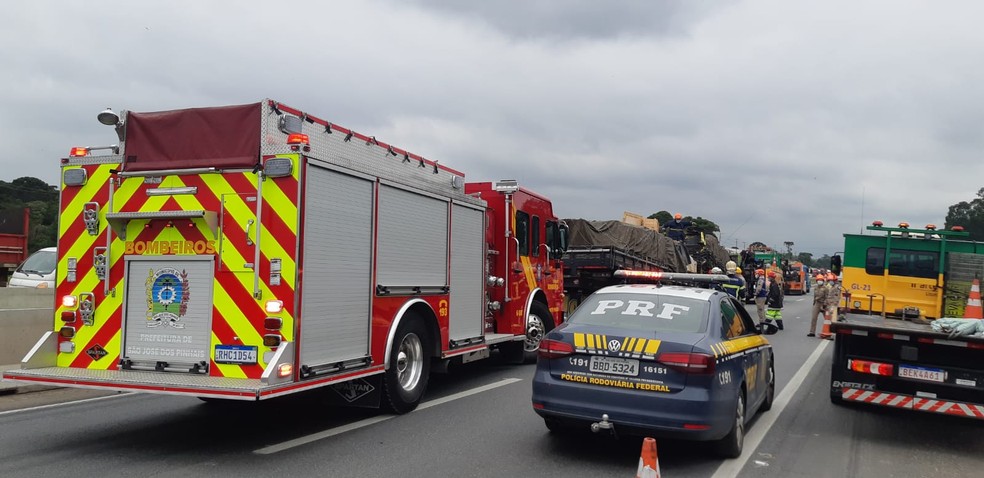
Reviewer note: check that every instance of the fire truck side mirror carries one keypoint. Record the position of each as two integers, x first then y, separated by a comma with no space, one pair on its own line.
835,264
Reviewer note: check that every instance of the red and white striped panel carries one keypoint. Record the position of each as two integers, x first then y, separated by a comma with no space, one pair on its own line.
913,403
877,398
949,408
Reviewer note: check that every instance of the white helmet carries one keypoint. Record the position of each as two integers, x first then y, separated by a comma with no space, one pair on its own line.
731,267
716,270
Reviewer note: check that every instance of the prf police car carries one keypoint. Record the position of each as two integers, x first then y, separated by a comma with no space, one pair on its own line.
659,360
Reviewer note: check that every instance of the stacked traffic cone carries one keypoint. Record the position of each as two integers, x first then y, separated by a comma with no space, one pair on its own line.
648,462
825,333
973,309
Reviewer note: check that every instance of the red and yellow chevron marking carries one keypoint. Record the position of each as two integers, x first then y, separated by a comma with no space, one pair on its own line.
235,311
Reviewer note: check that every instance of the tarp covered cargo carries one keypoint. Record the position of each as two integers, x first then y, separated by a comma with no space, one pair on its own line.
635,239
720,254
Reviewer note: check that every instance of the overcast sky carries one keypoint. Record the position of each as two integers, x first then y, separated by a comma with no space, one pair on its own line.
779,120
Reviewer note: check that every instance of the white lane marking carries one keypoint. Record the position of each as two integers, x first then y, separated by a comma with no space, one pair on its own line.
269,450
754,437
24,309
65,404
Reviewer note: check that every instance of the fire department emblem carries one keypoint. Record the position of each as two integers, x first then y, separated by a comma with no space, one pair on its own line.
167,297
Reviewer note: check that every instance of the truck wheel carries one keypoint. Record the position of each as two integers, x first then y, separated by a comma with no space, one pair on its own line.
731,445
836,398
406,380
538,323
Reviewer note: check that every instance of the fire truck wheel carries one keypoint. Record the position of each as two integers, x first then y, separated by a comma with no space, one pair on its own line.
405,381
538,323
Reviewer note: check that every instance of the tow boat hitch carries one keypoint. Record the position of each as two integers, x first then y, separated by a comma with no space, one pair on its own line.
604,424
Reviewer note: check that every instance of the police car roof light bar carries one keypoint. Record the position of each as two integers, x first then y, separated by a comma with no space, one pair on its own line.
656,277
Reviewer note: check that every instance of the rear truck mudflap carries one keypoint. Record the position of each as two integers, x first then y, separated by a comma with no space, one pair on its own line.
909,402
38,367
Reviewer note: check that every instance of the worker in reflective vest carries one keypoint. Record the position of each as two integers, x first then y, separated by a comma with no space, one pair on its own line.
735,282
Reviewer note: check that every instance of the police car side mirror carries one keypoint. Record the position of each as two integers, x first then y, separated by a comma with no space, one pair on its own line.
767,328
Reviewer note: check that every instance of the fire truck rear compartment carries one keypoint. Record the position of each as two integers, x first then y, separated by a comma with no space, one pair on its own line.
168,314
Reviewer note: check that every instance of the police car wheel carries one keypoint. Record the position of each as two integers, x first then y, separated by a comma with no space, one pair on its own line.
770,394
405,381
731,445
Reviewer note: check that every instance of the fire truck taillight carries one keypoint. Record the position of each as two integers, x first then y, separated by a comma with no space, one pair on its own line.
271,340
494,281
285,370
274,306
494,305
298,142
273,323
78,152
67,332
69,301
68,316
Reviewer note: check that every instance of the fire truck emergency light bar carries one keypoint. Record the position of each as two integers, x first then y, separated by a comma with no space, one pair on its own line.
656,277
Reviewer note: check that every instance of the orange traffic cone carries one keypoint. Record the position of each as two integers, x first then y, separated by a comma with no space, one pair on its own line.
648,461
825,333
973,309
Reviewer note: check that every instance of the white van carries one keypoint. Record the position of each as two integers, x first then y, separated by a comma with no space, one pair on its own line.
38,271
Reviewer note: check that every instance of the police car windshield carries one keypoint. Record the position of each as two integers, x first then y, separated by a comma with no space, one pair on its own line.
643,312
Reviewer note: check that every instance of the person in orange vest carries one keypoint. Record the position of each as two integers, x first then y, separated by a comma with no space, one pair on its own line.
822,294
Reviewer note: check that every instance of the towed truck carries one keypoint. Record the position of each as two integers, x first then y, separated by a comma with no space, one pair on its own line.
14,227
887,352
252,251
596,249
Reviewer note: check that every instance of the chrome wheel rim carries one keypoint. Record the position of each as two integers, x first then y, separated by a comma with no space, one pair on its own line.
740,420
410,362
534,333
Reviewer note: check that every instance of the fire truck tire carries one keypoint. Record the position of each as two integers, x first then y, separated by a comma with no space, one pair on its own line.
538,323
406,380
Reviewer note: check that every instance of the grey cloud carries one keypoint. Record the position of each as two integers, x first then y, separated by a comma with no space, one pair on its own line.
581,19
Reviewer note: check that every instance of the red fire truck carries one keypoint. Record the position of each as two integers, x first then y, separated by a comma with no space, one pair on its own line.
252,251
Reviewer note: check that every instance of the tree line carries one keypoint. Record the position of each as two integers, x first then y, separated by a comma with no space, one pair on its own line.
42,199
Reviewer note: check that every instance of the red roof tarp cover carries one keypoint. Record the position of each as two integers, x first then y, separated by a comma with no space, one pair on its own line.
223,137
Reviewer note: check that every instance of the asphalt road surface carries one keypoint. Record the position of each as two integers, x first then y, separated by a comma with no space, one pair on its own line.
475,422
